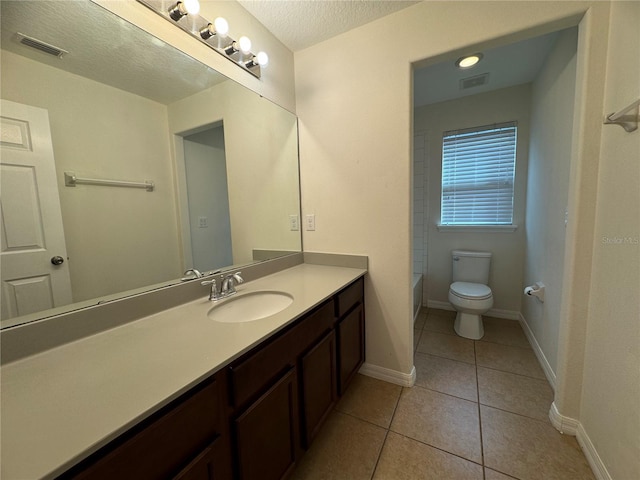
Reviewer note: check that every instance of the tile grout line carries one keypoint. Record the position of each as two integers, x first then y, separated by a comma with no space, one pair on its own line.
482,366
444,393
386,435
475,357
546,421
510,373
375,467
438,448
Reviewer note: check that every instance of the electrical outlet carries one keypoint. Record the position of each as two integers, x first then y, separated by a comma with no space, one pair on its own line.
294,223
311,222
202,222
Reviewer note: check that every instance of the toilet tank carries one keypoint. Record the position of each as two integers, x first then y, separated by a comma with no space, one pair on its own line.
471,266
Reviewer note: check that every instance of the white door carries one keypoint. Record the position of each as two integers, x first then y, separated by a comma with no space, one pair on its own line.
33,245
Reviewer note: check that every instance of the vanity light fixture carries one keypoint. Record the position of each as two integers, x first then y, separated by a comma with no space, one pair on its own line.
468,61
260,58
214,35
184,7
243,45
219,27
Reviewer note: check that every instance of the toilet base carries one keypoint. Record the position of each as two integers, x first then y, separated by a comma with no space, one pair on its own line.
469,325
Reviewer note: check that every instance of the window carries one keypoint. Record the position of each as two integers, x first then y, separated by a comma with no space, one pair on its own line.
478,168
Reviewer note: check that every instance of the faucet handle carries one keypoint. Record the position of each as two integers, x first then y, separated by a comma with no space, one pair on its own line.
213,294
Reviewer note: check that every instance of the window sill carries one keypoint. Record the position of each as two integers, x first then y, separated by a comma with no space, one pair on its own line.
477,228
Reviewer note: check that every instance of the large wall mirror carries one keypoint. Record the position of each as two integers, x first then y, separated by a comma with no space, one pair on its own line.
122,105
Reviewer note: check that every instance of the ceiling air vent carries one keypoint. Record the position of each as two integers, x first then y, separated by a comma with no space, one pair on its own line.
40,45
477,81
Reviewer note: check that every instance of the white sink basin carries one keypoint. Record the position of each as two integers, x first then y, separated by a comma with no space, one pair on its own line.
250,306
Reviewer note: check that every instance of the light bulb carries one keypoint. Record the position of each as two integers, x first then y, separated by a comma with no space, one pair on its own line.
221,26
262,59
468,61
191,6
181,9
244,44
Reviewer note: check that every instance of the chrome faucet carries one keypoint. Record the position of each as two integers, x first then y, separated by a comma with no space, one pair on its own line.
227,287
229,284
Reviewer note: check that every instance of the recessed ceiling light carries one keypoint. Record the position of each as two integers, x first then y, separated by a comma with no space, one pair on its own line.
468,61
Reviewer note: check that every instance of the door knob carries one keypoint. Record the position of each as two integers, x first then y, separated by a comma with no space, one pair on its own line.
57,260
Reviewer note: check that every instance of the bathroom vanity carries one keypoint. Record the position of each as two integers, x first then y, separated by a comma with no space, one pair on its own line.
180,395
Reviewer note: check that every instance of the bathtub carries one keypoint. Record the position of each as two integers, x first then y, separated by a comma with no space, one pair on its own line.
417,295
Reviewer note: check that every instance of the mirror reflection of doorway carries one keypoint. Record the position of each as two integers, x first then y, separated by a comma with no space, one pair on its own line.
35,274
208,198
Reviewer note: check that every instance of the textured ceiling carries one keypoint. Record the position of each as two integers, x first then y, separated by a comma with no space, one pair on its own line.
298,24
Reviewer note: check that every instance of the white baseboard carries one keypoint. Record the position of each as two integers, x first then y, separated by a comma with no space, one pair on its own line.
494,312
440,305
507,314
571,426
388,375
565,425
542,359
595,462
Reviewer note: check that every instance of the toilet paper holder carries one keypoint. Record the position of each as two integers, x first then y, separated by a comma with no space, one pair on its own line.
535,290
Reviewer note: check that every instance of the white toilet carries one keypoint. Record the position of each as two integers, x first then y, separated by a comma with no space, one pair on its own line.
469,293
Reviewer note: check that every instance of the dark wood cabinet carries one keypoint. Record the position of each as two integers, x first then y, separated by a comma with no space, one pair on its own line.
350,346
350,332
168,442
318,386
254,418
207,465
266,434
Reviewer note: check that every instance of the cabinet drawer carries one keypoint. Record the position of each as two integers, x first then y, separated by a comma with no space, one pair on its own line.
349,297
251,375
163,448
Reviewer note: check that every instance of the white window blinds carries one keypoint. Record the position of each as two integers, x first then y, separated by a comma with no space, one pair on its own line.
478,167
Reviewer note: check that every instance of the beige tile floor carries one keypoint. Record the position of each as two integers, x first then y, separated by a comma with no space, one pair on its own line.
478,411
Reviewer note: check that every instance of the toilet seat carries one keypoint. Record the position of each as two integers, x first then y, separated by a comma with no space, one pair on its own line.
470,291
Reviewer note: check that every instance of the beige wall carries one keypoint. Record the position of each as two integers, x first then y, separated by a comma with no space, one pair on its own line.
260,145
102,132
610,411
504,105
277,81
353,96
547,190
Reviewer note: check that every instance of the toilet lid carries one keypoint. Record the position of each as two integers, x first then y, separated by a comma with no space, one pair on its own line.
471,291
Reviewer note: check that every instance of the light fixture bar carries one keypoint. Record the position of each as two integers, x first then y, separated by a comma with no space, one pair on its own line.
212,34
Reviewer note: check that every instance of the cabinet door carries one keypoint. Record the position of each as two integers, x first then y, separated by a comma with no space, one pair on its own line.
266,434
318,374
211,464
350,346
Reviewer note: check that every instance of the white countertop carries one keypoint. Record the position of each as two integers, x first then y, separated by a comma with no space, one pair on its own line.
61,405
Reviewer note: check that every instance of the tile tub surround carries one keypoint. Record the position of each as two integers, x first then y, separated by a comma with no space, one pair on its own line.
59,403
460,421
